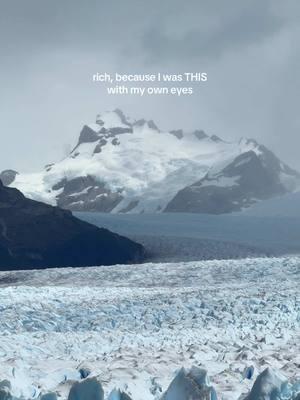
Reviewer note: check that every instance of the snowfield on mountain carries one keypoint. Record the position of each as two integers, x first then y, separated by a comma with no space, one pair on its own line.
133,327
124,165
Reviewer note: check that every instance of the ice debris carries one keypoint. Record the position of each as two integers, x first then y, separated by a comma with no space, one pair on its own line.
5,388
192,384
118,395
270,385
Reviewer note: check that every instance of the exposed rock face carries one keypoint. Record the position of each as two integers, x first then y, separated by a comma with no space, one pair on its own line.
190,385
86,194
178,133
125,165
90,389
241,183
36,235
8,176
200,134
87,135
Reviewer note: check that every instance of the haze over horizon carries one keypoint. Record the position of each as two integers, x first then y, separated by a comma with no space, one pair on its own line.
50,50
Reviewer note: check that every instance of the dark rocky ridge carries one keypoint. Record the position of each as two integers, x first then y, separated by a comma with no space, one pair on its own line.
254,177
36,235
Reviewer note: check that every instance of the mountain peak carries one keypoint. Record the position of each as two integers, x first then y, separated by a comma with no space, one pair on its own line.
126,165
107,126
112,119
248,142
144,123
200,134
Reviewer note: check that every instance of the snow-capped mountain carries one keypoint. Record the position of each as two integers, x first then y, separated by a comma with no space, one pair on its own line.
124,165
253,175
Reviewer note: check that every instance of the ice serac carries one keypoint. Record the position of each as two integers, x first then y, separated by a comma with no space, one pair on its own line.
237,183
5,388
49,396
270,386
37,235
120,165
118,395
90,389
190,384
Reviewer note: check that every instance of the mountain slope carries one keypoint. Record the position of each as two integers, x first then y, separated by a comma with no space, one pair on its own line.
287,205
121,165
37,235
249,177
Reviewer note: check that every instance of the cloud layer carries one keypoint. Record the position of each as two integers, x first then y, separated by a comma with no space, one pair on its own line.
49,51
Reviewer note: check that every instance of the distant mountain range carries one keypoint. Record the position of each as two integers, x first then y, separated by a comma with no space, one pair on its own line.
122,165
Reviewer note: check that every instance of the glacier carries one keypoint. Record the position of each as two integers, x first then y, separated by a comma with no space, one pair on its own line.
134,327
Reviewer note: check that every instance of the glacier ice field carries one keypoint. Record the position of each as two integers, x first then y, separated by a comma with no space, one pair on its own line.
134,327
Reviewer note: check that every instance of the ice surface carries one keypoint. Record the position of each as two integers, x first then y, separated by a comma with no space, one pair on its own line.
89,389
270,385
279,235
287,205
190,385
134,326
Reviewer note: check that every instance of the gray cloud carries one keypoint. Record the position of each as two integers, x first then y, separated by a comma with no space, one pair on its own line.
246,24
50,49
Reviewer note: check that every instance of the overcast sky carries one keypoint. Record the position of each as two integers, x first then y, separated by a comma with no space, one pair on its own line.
50,50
